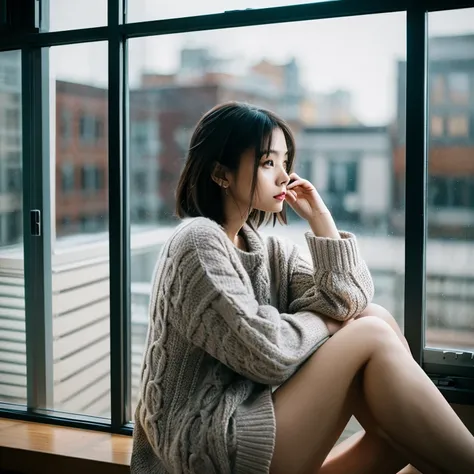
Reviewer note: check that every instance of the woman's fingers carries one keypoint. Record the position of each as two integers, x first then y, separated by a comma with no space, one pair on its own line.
290,195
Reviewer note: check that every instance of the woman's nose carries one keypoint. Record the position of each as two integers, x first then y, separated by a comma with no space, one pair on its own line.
285,178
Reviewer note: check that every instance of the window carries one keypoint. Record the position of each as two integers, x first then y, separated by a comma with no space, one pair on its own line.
176,104
451,191
91,178
67,178
458,84
155,10
140,181
144,133
80,254
14,183
12,119
448,323
72,15
437,126
12,303
332,96
66,126
342,177
437,89
458,125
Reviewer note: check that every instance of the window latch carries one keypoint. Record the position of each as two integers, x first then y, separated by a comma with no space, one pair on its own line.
459,356
35,222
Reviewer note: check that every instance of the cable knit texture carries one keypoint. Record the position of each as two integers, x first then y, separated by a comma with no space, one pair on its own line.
225,326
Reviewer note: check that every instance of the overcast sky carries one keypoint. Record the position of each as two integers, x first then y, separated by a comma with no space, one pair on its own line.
357,53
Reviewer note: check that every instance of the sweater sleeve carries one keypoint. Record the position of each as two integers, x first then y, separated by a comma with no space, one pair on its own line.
219,313
337,283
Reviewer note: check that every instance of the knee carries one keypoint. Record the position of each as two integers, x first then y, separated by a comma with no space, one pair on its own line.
377,311
374,327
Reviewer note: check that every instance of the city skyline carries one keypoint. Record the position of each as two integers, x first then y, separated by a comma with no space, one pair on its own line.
352,55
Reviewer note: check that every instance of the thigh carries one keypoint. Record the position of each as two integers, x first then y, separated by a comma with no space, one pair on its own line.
313,407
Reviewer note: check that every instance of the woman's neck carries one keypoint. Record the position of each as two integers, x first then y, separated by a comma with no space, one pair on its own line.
232,230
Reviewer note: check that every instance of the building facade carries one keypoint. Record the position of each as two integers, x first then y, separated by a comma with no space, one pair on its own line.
451,139
81,159
11,225
351,169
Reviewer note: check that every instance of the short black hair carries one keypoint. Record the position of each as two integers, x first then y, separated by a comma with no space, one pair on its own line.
221,136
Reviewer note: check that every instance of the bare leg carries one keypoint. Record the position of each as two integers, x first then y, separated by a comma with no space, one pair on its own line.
313,407
373,450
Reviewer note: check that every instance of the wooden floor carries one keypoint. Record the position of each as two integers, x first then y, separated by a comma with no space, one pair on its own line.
40,449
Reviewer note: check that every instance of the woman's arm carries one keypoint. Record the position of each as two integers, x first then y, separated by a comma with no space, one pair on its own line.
219,313
338,284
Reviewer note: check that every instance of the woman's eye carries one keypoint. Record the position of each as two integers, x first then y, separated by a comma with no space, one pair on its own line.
268,162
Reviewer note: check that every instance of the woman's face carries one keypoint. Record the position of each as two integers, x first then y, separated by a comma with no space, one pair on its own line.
272,177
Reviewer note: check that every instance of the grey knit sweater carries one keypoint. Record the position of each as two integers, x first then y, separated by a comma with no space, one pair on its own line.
225,325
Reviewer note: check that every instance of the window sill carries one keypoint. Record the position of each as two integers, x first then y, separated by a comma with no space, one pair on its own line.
30,447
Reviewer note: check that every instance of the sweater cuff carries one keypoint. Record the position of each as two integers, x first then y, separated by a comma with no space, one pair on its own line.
255,435
334,255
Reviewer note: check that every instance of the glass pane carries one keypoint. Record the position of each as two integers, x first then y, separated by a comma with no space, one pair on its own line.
144,10
340,101
12,293
450,250
67,15
80,259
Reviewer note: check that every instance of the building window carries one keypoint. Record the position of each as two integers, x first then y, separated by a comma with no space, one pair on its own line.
451,191
67,178
458,85
99,129
437,89
10,75
14,232
92,178
140,181
14,178
91,129
342,177
458,126
65,126
12,119
65,225
437,126
144,137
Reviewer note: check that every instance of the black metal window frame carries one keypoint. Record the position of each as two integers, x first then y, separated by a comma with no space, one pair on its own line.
34,41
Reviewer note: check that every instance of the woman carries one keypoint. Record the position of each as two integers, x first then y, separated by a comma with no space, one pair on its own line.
256,358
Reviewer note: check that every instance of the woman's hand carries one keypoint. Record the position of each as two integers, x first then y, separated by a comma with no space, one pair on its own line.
303,198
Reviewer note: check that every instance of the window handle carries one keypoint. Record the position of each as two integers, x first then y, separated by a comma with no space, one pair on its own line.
35,222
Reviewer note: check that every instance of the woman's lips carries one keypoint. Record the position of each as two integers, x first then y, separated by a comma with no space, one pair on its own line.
280,197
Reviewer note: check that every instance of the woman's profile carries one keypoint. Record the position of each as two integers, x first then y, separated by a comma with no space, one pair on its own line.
256,357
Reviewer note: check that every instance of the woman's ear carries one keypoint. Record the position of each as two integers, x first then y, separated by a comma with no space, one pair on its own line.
219,176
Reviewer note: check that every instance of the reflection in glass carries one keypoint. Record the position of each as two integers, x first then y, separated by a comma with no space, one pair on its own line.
450,250
338,103
12,294
80,260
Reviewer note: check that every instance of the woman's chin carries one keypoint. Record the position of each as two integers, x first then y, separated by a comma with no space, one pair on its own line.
271,207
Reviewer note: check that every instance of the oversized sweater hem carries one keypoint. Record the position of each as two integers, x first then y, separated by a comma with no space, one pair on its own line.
256,432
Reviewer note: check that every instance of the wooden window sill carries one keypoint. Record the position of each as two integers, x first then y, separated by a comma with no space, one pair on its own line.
38,448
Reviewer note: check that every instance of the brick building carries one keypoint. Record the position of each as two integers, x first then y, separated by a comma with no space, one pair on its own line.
81,158
451,139
11,217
